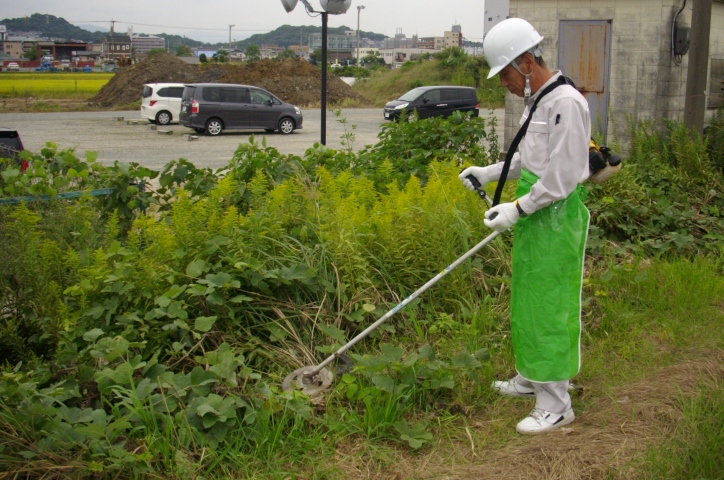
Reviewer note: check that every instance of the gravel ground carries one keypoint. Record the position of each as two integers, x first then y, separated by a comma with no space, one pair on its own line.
114,140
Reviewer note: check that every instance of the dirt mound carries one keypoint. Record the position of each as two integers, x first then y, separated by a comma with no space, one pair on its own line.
127,85
294,81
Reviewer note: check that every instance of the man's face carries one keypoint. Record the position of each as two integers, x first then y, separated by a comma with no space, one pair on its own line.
512,80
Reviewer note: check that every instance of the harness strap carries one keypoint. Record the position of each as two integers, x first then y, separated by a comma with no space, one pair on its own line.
521,133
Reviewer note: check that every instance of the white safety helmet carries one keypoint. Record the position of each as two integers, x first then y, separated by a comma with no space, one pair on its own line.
508,40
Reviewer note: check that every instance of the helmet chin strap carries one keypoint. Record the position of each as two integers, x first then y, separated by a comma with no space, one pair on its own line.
536,51
526,91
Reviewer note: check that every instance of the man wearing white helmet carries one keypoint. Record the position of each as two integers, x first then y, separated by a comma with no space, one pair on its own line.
551,224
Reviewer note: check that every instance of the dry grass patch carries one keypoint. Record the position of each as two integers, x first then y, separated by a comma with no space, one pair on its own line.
615,429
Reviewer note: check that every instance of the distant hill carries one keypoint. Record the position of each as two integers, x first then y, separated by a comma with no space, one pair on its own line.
93,28
287,35
51,27
56,27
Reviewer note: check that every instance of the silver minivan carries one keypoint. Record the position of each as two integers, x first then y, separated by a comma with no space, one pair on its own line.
215,107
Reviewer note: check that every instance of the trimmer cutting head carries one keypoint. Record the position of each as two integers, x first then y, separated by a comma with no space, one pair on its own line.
308,384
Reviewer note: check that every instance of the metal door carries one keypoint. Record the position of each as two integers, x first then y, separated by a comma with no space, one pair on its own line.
584,56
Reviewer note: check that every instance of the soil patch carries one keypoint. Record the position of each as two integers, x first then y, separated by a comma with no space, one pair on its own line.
294,81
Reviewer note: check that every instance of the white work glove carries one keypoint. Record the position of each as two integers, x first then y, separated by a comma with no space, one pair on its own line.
484,175
506,218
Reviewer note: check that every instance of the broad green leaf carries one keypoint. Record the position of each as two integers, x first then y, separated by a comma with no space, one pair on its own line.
241,299
465,360
390,353
96,312
205,409
195,268
333,332
385,383
204,324
92,335
483,355
10,173
163,301
219,279
428,353
351,391
176,310
175,291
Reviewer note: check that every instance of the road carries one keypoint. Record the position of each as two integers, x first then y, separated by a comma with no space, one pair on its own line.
114,140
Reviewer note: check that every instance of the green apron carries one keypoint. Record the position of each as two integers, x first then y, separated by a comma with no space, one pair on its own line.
548,249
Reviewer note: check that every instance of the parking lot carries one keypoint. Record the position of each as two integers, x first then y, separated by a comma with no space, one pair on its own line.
115,140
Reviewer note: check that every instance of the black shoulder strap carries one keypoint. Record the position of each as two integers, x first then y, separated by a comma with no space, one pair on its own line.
521,133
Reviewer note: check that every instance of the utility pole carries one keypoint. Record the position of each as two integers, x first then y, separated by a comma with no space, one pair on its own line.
230,27
696,78
325,20
359,9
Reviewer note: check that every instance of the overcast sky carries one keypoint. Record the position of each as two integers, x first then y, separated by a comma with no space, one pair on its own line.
209,20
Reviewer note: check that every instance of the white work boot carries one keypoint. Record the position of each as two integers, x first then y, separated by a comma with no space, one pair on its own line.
513,389
542,421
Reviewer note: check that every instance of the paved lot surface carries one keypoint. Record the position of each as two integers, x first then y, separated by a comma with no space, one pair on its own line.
114,140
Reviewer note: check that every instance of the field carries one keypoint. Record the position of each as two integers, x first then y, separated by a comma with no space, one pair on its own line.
52,85
152,343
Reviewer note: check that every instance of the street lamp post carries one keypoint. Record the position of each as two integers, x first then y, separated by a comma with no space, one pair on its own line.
230,27
359,9
334,7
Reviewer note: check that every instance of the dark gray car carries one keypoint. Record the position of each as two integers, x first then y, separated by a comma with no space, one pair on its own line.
215,107
438,101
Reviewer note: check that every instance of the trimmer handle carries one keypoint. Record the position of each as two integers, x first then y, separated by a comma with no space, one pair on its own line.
481,193
478,187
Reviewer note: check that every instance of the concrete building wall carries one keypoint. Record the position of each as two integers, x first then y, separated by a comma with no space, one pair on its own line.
716,53
644,83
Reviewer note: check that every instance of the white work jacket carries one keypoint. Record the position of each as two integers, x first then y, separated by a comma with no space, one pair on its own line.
555,147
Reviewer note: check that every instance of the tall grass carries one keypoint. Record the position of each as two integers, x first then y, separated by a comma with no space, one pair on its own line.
52,85
696,449
645,311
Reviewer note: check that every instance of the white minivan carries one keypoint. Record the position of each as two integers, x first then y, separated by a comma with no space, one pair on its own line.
161,102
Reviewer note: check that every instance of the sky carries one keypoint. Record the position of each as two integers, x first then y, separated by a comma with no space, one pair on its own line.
209,20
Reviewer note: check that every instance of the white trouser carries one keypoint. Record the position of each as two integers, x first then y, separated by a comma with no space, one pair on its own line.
552,396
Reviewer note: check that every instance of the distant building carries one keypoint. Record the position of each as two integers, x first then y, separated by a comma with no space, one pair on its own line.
395,57
495,12
267,50
202,51
399,41
142,44
12,48
116,46
302,51
236,55
86,56
335,43
454,38
3,33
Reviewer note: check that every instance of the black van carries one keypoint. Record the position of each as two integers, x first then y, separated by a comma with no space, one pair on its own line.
439,101
215,107
11,146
